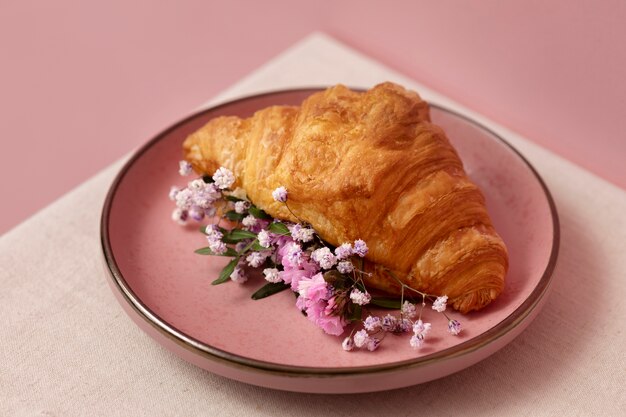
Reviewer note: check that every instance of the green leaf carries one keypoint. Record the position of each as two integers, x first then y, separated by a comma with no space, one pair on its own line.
237,235
279,228
258,213
269,289
225,274
386,302
207,251
256,246
232,215
233,198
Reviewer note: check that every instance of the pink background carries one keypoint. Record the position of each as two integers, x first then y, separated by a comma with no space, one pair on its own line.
82,84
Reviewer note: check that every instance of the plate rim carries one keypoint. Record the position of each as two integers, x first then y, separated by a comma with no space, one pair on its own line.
215,354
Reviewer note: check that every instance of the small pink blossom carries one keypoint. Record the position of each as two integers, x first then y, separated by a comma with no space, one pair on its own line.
409,310
280,194
272,275
224,178
372,323
324,257
264,238
454,327
417,340
238,275
347,344
343,251
314,288
421,328
359,297
345,267
241,206
360,248
184,168
440,304
361,338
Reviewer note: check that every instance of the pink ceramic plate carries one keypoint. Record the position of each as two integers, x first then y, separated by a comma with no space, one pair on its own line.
166,290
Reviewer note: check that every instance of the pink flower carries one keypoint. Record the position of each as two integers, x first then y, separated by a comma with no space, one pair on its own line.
314,288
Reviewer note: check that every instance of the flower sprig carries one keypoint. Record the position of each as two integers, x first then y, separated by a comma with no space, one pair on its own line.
327,280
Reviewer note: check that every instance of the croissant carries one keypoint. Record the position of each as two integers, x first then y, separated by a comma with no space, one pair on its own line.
367,165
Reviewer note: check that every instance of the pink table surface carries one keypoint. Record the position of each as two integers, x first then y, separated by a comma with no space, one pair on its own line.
82,83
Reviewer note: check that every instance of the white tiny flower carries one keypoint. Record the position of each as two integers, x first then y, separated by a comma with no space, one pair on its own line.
238,276
179,216
345,267
184,168
454,327
249,221
359,297
347,344
224,178
280,194
272,275
324,257
440,303
409,310
196,185
173,191
217,247
343,251
302,234
183,198
372,323
256,259
241,206
264,238
360,248
421,328
417,340
372,344
361,338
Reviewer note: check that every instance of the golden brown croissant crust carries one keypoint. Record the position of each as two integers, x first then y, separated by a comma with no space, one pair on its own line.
368,166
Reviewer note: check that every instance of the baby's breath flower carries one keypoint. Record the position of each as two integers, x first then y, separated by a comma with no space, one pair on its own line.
249,221
389,323
345,267
303,234
173,191
271,275
183,198
372,344
347,344
196,213
179,216
241,207
360,248
217,247
361,338
238,275
359,297
256,259
224,178
324,257
212,232
240,246
440,303
421,328
403,325
409,310
184,168
294,253
417,340
280,194
264,238
196,185
372,323
454,327
343,251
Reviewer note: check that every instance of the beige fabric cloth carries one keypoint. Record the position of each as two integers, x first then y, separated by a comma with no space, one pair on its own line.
67,348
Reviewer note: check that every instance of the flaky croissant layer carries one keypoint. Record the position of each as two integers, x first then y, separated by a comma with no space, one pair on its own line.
367,166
